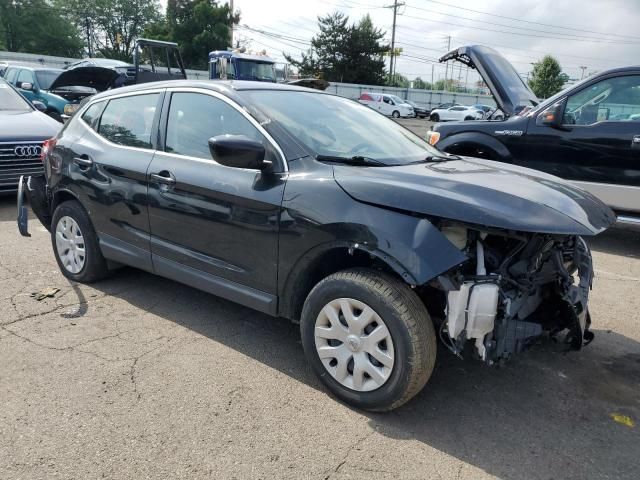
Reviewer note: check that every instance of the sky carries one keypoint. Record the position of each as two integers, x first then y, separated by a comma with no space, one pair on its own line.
596,34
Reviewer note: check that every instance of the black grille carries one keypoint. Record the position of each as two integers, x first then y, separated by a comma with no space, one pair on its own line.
18,159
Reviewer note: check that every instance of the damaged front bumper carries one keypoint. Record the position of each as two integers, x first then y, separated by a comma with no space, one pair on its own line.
33,191
520,289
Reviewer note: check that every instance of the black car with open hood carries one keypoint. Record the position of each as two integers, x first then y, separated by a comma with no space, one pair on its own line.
588,134
509,90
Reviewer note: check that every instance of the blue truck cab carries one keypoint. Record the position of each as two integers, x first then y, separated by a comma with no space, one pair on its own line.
232,65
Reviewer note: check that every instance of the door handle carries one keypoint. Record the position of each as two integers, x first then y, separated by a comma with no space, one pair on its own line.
164,178
83,161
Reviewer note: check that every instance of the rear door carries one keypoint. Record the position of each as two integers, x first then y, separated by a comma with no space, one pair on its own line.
108,166
213,226
598,146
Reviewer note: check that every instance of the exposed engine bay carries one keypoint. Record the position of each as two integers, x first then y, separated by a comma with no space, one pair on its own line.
515,288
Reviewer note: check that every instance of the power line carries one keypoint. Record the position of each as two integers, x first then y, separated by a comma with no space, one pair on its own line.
582,37
457,7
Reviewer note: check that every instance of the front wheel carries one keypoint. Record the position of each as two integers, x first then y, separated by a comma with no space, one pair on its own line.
369,338
395,114
435,117
75,244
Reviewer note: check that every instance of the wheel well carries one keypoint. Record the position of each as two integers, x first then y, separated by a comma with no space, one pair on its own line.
60,197
331,261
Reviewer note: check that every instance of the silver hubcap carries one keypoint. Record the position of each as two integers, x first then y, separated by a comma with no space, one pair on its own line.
354,344
70,244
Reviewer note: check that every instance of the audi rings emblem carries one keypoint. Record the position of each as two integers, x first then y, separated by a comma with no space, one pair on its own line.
27,150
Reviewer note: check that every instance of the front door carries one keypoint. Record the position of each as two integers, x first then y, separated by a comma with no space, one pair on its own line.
598,145
211,223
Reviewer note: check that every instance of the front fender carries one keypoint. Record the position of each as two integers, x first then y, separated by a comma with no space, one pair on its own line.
459,143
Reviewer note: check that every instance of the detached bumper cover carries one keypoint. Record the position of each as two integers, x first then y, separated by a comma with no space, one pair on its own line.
33,191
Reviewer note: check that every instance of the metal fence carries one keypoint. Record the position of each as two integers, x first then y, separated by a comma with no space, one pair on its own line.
428,98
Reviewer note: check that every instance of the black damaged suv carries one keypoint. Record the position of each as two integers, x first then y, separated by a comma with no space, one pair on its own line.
588,134
312,207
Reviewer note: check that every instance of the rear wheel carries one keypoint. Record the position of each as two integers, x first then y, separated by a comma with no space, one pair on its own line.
75,244
395,114
435,117
369,338
468,118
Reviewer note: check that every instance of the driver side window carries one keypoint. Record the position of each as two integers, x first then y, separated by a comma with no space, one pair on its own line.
611,100
195,117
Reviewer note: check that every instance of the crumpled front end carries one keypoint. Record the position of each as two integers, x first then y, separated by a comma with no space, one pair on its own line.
515,289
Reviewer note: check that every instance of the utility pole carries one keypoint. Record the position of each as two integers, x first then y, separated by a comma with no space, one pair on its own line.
432,68
583,69
231,29
393,38
446,65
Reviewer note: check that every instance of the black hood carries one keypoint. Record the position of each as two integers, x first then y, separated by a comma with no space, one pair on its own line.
506,86
99,78
480,192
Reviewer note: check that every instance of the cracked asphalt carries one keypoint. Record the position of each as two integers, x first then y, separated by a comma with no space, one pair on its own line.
141,377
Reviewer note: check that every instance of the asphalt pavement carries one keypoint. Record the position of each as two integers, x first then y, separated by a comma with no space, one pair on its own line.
140,377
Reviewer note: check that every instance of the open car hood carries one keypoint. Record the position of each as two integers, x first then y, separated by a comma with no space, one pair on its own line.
100,78
480,192
508,89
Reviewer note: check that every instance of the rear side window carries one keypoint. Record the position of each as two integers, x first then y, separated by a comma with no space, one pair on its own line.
128,121
92,115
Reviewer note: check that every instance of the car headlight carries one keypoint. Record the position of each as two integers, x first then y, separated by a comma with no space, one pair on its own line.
433,137
70,108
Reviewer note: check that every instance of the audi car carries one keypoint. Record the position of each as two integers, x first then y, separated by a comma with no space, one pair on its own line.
23,130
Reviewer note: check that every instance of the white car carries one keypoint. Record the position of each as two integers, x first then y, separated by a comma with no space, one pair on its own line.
457,112
387,104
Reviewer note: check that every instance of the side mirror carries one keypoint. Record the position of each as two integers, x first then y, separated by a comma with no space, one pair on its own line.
238,151
552,116
27,86
41,107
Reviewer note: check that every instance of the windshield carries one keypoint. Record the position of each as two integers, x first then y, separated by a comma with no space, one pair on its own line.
11,100
398,100
46,78
252,70
334,126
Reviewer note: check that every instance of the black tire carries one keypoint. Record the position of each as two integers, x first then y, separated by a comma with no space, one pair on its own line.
95,266
408,322
395,114
435,117
468,118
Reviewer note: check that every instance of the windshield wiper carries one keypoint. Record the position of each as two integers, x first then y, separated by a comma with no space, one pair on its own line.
356,160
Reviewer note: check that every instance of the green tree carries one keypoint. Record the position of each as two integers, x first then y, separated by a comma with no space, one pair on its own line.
547,78
112,25
37,26
198,26
344,53
398,80
421,84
